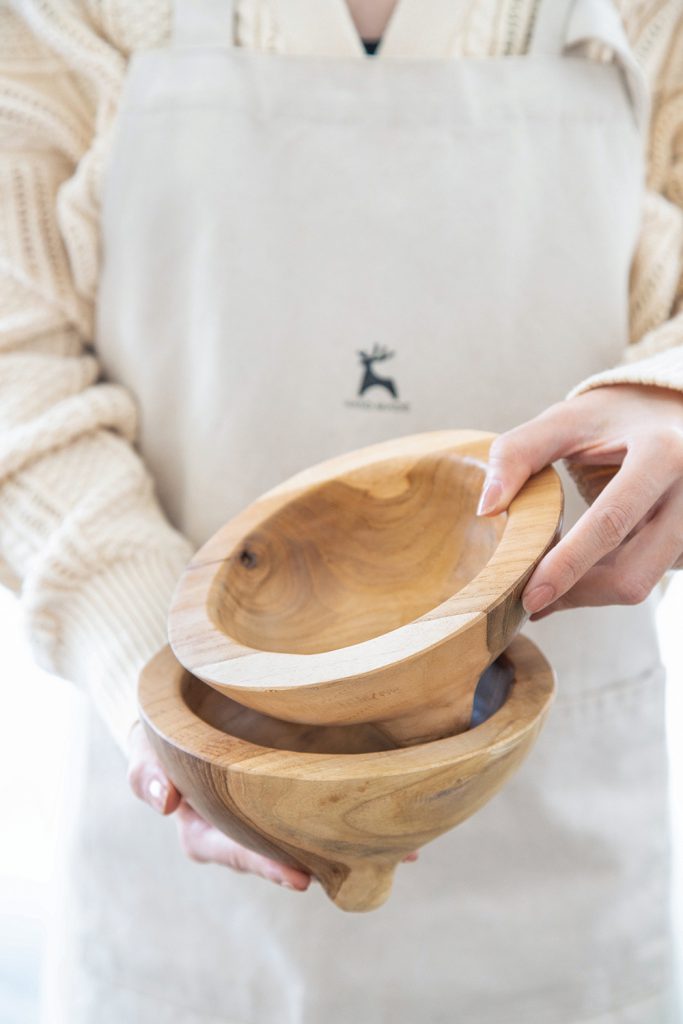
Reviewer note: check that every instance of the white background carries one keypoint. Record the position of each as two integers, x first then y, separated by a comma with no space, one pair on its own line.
37,716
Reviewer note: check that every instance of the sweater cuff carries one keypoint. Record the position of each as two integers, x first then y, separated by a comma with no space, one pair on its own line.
109,629
664,370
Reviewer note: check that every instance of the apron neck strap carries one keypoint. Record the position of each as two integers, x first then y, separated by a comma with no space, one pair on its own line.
203,22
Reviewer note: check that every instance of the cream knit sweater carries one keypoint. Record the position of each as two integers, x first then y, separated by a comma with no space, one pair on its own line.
82,537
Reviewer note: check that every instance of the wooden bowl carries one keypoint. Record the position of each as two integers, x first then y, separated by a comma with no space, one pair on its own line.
335,801
366,589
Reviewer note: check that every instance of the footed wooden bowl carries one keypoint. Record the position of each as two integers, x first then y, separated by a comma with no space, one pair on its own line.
336,801
366,589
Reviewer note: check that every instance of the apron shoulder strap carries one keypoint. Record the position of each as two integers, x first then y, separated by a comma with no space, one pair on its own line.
203,22
564,24
600,20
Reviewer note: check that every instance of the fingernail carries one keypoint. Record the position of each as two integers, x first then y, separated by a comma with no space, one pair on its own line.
490,496
273,875
538,598
157,792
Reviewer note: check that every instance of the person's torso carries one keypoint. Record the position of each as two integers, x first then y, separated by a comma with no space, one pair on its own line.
306,254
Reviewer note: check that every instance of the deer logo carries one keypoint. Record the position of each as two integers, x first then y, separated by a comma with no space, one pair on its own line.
372,379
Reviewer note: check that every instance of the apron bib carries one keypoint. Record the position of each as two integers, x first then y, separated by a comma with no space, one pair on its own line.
304,254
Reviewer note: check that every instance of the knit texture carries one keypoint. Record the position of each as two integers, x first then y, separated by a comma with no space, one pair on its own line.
82,536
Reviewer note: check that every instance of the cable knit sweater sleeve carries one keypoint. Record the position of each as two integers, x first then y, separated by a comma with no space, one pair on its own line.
655,353
81,534
82,537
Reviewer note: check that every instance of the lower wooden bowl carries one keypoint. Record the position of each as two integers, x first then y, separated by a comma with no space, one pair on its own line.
340,802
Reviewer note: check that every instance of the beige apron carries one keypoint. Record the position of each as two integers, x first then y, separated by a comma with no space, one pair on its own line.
304,254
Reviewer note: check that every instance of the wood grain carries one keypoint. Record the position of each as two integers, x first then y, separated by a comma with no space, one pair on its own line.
366,589
338,802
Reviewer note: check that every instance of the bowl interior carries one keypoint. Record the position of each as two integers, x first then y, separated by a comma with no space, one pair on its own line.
356,557
234,719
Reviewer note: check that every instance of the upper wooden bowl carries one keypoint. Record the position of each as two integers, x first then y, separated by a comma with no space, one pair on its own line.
366,589
337,801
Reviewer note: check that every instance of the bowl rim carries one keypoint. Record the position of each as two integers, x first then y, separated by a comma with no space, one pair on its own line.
533,520
164,711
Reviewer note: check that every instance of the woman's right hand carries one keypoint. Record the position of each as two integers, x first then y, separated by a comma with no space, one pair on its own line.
199,840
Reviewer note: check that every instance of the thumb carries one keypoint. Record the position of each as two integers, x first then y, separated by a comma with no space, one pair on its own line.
146,776
521,452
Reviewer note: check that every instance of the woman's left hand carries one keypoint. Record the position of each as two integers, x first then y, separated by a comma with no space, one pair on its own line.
633,532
